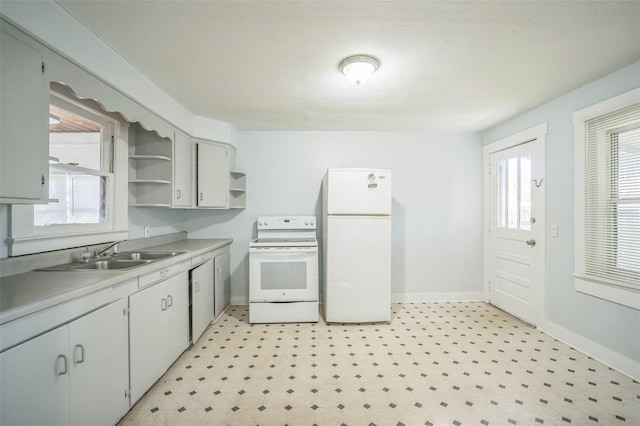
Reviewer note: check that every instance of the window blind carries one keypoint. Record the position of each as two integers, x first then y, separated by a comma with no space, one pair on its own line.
612,197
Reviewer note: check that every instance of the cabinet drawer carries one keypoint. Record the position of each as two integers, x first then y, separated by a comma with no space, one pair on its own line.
202,258
163,273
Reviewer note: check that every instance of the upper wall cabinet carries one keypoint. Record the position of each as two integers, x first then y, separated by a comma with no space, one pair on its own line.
167,168
24,147
218,185
212,163
183,176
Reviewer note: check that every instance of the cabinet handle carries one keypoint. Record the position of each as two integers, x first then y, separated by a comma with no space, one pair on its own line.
42,179
170,299
197,287
201,196
75,352
218,270
163,304
179,194
62,371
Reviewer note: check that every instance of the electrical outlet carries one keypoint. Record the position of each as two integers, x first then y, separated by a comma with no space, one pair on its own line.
554,231
147,231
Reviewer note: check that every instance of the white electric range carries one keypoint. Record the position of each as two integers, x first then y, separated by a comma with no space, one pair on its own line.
283,270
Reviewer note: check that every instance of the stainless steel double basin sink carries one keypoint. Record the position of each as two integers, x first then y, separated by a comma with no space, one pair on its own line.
121,261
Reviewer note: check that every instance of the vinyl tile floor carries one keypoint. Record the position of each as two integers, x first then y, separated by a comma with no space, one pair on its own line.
433,364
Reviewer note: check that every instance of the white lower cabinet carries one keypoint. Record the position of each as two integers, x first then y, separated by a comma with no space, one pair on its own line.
75,374
158,330
201,298
222,282
99,364
35,381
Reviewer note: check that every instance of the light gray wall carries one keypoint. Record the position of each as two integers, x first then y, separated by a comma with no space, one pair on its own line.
437,199
161,221
609,324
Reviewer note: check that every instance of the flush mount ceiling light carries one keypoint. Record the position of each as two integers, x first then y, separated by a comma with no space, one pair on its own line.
358,68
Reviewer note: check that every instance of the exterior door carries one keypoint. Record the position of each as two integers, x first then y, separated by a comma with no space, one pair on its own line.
516,230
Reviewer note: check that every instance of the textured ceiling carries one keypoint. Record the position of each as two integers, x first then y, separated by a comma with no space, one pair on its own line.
445,65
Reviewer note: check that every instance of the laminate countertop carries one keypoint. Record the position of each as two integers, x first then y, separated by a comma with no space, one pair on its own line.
29,292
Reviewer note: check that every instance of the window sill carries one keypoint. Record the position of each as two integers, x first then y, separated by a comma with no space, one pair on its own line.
622,295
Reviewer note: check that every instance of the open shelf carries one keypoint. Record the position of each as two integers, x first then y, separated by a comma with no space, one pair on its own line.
150,168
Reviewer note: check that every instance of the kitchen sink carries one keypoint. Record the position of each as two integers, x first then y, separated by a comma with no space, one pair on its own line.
108,264
122,261
146,255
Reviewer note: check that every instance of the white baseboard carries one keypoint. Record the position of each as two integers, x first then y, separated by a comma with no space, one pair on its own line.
239,300
621,363
472,296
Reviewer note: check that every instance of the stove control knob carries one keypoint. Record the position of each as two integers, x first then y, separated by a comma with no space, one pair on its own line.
306,222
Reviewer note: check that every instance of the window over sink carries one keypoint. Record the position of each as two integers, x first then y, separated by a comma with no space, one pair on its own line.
79,166
86,206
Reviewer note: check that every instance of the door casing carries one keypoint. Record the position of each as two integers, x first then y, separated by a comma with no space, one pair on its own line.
538,135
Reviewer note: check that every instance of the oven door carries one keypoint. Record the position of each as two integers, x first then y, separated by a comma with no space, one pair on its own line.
283,274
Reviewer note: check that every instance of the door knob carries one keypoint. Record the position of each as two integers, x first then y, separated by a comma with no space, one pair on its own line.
531,242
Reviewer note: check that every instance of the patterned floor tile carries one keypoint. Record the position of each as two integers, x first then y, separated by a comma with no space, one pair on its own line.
434,363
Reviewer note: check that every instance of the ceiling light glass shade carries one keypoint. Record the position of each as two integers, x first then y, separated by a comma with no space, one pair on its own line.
358,68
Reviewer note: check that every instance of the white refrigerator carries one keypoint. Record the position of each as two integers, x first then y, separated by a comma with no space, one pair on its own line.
356,245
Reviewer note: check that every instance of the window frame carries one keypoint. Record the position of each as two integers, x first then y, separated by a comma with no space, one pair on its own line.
627,295
27,238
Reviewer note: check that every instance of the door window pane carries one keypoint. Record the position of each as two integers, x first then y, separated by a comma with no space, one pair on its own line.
525,192
502,194
512,191
513,201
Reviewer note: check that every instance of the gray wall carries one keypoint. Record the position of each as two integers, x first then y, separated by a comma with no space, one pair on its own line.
614,326
437,199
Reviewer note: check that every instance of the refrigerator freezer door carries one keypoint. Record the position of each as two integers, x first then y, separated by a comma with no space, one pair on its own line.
358,274
358,192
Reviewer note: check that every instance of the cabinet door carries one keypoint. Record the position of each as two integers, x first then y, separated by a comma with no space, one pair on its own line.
158,331
213,175
34,389
176,318
24,151
99,364
182,170
201,298
222,282
146,338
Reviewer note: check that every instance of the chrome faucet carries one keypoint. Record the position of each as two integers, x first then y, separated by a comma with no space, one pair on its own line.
100,253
